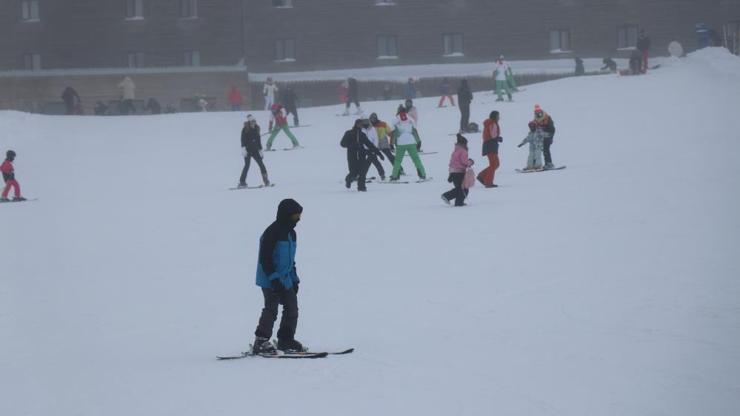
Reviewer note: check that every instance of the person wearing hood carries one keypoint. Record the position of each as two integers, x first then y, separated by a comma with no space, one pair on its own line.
543,122
459,164
9,178
277,277
360,152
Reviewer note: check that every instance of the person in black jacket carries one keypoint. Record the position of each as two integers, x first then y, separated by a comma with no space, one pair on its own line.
643,45
290,103
278,279
252,149
609,64
359,148
464,97
353,96
71,100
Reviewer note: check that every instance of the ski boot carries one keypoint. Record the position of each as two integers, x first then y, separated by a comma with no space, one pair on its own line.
263,346
4,200
241,185
290,345
447,201
393,179
265,180
549,166
19,199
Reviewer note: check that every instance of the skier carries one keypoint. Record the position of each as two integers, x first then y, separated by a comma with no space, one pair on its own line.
353,96
72,101
409,91
290,101
464,97
235,98
459,164
372,134
385,139
153,106
252,149
9,177
281,123
444,90
359,149
544,123
643,45
277,277
580,69
407,140
269,91
491,140
128,94
535,139
635,63
499,75
609,64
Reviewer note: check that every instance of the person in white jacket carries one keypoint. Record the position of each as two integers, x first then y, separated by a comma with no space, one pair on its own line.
407,140
128,95
502,83
269,91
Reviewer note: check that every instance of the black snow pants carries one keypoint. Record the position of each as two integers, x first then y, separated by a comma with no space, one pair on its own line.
292,109
546,149
457,193
257,158
358,167
374,160
464,117
288,321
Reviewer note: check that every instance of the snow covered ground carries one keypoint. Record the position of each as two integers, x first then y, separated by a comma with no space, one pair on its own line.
607,288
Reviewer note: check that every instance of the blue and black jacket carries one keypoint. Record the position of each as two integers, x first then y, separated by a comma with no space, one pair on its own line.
278,247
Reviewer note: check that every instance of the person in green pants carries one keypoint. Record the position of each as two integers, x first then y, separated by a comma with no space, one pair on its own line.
502,83
281,124
407,141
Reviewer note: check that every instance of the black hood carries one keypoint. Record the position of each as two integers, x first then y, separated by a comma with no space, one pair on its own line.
286,209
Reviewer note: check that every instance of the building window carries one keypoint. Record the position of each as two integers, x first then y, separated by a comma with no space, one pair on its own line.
282,3
285,50
135,60
192,58
387,47
30,10
32,61
627,37
385,3
453,44
134,9
189,9
559,41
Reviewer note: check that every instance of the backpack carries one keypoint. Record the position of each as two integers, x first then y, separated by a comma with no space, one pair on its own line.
469,179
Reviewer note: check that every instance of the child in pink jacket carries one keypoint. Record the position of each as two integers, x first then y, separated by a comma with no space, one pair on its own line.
9,177
459,164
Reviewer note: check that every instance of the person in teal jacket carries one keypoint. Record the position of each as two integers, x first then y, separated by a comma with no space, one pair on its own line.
277,277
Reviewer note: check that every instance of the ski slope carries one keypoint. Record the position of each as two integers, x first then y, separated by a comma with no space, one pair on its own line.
607,288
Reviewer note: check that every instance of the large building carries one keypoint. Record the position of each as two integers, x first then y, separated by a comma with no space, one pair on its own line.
293,35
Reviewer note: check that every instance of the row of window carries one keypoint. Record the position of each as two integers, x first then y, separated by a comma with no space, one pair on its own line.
289,3
133,9
32,61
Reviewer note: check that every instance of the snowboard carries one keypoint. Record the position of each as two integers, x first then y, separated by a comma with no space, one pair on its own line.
539,170
10,201
287,355
428,153
236,188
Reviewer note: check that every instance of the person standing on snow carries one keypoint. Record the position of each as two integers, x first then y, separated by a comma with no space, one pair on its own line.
445,92
269,91
8,172
359,150
372,135
502,84
235,98
464,97
289,101
281,124
71,100
459,164
407,141
491,140
411,111
643,45
535,139
409,91
128,95
353,96
385,139
252,149
609,64
544,123
277,277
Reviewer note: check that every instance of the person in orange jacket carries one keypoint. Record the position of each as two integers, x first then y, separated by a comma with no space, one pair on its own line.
491,140
235,98
9,177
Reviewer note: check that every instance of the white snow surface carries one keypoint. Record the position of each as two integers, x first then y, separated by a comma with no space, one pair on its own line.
607,288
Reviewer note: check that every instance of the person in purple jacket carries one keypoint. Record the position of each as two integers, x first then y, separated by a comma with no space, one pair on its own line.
459,163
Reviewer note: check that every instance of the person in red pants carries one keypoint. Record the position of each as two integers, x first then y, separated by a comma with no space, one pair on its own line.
9,177
491,140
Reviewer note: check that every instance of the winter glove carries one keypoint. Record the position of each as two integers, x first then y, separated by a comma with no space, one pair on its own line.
520,144
277,287
500,139
471,162
449,178
244,152
418,146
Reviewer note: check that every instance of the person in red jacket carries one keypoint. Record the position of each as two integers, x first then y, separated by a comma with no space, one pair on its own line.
9,177
491,140
281,123
235,99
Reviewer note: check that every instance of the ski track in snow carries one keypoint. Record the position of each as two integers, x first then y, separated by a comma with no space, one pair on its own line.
607,288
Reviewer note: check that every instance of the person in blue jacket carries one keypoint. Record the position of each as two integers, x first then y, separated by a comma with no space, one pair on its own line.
276,275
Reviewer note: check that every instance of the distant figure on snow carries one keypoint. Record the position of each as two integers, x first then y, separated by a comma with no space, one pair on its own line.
360,151
128,95
459,164
353,96
609,64
464,97
643,45
252,149
580,70
281,124
543,122
8,172
269,91
72,101
491,139
152,105
445,90
289,101
235,98
499,74
409,91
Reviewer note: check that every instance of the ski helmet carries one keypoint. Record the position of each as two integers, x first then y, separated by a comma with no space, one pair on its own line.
10,155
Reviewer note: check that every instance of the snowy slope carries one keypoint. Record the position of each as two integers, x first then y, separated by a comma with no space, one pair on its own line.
608,288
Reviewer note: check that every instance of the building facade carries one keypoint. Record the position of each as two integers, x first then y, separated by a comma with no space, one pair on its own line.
291,35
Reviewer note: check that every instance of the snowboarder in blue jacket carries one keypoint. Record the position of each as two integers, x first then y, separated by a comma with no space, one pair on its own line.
276,275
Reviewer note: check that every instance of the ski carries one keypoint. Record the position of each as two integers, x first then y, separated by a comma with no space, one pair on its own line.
539,169
293,148
428,153
236,188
